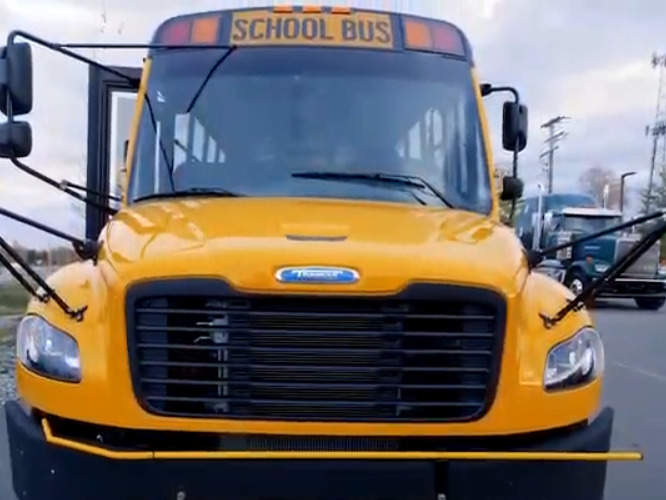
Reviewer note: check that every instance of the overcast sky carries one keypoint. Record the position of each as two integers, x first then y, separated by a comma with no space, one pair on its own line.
588,59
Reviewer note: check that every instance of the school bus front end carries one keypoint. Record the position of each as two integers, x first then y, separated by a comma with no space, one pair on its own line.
308,293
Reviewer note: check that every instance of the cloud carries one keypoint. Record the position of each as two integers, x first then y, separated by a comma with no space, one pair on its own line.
589,60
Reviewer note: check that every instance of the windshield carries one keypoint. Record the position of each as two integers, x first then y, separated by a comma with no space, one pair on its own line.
589,224
267,113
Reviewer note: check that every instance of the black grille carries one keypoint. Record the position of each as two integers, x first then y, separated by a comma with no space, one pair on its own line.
200,348
646,265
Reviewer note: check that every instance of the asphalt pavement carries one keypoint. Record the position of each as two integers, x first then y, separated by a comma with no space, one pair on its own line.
635,386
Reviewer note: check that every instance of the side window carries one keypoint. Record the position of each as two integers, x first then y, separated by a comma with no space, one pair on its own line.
444,147
424,146
415,143
180,139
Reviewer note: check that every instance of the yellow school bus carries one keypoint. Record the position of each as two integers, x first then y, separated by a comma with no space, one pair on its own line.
307,292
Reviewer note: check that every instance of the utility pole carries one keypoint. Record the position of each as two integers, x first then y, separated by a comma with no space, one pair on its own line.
554,137
658,128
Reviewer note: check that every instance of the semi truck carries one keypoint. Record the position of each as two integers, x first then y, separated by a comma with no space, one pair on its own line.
549,221
306,291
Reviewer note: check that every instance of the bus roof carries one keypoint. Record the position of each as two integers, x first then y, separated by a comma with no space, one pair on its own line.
314,26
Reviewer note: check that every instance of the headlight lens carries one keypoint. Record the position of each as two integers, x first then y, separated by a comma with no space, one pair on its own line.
601,268
47,351
575,362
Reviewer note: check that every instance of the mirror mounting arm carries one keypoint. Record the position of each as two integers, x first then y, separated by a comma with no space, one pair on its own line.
536,257
487,89
615,270
65,50
86,249
63,186
49,291
67,185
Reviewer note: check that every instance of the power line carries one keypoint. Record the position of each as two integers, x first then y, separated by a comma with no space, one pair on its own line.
658,128
554,137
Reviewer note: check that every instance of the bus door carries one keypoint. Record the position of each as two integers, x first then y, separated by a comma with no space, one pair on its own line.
111,103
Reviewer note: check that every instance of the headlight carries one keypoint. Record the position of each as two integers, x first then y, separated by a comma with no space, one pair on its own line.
601,268
561,238
45,350
575,362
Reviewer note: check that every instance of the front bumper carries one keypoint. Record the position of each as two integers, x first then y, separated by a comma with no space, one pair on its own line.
630,288
42,470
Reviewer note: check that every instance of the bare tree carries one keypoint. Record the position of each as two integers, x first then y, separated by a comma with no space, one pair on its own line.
594,180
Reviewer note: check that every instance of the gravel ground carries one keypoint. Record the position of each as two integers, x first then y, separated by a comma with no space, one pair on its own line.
7,386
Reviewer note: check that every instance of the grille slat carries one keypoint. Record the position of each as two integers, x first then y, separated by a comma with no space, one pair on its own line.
646,265
203,349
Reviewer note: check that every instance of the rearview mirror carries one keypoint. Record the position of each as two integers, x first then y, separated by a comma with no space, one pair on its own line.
15,140
512,188
16,78
514,126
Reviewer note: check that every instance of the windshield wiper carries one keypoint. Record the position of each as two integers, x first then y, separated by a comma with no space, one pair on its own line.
379,177
192,192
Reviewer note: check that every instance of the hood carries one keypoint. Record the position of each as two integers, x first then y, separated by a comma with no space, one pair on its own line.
602,248
246,241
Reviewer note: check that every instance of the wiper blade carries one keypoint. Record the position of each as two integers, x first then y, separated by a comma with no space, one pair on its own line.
395,179
192,192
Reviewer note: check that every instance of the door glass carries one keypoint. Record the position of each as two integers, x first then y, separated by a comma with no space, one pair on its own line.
122,112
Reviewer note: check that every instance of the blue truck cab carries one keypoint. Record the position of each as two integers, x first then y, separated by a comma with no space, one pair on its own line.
549,220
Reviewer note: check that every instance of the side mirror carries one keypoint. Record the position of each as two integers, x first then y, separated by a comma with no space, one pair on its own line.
512,189
547,220
514,126
16,78
15,140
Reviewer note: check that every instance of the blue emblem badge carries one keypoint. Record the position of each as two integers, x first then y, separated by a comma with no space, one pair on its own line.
317,275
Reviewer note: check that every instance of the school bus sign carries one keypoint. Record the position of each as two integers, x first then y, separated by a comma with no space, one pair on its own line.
362,29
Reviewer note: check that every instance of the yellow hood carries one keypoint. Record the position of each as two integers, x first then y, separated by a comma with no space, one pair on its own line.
247,240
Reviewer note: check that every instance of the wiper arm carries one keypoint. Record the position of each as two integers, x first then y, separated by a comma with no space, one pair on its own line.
396,179
192,192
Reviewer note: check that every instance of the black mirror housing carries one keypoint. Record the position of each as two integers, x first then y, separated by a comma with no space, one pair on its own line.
512,188
16,78
15,140
514,127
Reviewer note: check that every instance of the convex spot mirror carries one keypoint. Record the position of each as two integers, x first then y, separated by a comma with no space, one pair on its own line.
512,188
514,126
15,140
16,78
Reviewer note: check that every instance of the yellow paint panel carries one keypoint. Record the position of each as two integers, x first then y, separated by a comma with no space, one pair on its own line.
360,30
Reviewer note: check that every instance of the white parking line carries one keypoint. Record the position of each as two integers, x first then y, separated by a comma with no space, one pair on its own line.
655,376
